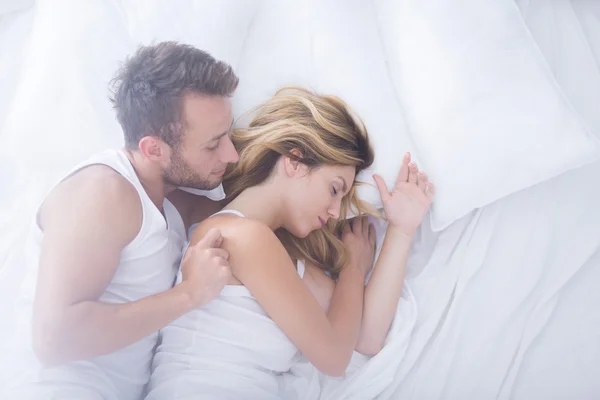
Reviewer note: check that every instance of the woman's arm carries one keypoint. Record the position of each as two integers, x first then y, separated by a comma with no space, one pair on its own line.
405,208
383,291
327,339
381,294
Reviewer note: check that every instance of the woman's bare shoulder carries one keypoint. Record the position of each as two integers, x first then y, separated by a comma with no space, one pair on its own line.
245,239
235,229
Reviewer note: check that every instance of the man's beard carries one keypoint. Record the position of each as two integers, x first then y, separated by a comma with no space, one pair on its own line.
180,174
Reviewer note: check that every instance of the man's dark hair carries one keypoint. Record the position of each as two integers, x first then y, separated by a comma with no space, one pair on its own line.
147,92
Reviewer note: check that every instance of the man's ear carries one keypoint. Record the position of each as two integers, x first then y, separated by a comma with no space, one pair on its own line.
153,148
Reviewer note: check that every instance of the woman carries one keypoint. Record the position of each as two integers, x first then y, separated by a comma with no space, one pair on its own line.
285,231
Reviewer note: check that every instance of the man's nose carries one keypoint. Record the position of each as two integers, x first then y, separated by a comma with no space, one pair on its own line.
230,155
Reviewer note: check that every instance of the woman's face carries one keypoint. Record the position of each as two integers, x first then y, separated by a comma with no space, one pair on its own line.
315,196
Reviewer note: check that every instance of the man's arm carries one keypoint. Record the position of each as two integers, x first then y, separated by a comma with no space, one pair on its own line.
87,220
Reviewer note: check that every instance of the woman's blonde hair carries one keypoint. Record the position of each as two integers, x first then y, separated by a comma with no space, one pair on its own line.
324,131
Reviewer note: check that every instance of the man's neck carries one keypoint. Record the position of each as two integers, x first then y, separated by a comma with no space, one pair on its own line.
151,179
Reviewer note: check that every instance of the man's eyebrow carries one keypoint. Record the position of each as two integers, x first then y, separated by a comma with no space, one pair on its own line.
221,135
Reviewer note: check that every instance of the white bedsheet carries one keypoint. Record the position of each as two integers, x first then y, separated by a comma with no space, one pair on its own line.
489,290
506,299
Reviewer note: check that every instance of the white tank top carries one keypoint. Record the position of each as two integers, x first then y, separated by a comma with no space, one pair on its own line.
148,265
229,349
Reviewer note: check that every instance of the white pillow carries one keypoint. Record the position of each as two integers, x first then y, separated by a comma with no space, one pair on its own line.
276,53
482,106
334,48
11,6
566,40
219,28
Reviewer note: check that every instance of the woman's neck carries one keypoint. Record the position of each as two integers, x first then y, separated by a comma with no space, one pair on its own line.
261,203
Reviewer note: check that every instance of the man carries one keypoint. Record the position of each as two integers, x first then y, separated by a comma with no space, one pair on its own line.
107,244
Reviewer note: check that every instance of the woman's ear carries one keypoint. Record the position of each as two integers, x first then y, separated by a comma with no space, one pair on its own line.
292,166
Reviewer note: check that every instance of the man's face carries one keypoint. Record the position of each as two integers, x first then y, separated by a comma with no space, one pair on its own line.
205,148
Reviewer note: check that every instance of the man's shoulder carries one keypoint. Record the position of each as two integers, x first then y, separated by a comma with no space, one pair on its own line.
97,192
99,182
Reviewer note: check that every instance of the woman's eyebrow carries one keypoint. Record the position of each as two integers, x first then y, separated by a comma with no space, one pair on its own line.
344,181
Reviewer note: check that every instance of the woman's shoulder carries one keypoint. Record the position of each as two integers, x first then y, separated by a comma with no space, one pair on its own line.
237,232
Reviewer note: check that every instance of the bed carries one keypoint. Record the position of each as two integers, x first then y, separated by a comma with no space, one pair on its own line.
501,302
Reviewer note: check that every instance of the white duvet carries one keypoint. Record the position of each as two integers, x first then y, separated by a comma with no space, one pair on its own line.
503,304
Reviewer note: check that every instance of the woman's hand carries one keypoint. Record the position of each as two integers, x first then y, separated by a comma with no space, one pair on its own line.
359,239
408,202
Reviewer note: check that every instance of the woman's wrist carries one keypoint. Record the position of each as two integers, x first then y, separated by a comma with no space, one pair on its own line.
396,233
352,271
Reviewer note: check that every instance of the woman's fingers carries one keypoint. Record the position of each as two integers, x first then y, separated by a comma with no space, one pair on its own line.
357,225
403,174
430,190
347,228
372,237
384,193
422,181
412,173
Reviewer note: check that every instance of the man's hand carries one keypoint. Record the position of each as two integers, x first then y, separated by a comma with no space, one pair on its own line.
205,268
